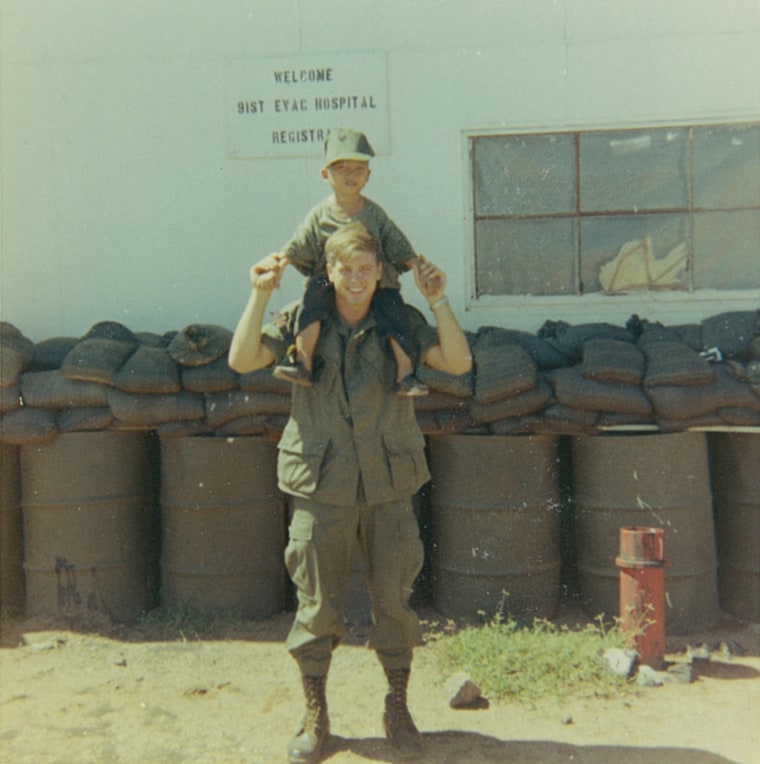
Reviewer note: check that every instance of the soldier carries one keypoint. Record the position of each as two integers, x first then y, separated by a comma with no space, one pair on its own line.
352,456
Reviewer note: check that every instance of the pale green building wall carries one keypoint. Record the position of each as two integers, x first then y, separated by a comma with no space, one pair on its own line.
120,200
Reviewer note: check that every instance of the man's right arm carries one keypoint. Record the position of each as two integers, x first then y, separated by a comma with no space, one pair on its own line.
247,351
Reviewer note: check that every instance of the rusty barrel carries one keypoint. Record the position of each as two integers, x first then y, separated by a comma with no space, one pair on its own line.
223,526
495,516
735,470
661,481
90,526
11,535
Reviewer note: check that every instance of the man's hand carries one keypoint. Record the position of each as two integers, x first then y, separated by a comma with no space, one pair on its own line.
266,274
430,279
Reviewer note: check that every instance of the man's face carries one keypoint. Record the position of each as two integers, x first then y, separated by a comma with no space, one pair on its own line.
347,176
355,279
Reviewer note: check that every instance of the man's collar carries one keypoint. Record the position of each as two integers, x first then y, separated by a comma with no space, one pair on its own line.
343,328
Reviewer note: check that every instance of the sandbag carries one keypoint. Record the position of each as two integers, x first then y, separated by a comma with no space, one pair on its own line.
184,429
520,425
222,408
198,344
502,371
437,401
732,332
681,402
96,359
460,386
674,363
133,409
148,370
52,390
254,424
262,381
739,417
90,419
111,330
574,390
524,403
27,425
559,418
214,377
613,361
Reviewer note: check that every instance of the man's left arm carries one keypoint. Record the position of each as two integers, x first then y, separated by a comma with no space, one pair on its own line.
452,354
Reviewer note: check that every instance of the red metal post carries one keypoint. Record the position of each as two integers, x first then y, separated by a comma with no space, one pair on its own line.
642,592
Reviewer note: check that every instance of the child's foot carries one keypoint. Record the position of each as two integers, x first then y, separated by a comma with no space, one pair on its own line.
411,387
293,370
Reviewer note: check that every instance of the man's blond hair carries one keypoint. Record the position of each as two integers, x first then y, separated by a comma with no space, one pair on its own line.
350,240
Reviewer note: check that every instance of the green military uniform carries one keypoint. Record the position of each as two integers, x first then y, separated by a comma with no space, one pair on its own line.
352,455
306,249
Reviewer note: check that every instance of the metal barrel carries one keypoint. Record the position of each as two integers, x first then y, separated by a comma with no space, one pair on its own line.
90,526
735,471
11,534
495,516
661,481
223,526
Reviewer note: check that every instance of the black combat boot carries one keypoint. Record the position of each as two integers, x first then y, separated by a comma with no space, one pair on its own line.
399,725
306,746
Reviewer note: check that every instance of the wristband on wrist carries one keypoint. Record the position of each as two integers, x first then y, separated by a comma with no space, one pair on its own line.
439,303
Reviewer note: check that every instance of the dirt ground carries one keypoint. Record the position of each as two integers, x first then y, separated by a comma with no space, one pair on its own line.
94,693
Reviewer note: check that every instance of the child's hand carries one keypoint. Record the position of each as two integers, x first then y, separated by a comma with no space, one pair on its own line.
430,279
266,274
267,281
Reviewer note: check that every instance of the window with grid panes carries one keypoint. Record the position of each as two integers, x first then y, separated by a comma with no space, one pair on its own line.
617,211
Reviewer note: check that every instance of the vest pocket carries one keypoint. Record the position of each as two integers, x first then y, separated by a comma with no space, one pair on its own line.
406,463
299,471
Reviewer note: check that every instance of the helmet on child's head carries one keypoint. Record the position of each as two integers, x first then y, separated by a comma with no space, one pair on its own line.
343,143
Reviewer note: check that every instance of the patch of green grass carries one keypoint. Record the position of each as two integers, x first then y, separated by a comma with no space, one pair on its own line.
514,661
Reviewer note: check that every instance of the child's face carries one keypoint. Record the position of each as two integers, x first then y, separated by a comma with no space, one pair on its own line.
347,177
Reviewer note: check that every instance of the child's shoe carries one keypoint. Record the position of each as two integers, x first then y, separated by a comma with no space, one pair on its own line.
292,370
411,387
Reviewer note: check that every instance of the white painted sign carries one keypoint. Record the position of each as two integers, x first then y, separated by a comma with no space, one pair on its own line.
285,107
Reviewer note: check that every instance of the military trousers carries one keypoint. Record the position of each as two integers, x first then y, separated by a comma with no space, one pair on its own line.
318,557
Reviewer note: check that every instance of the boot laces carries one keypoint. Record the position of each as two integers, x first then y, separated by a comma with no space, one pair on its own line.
316,704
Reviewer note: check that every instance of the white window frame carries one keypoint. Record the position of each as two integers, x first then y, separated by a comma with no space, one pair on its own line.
594,303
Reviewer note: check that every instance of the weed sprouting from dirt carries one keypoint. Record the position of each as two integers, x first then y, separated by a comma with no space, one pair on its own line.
510,660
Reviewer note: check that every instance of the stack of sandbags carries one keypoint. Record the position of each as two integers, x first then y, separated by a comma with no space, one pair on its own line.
564,379
177,383
702,378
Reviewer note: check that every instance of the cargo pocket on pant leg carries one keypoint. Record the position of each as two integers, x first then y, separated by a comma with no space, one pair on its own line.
297,557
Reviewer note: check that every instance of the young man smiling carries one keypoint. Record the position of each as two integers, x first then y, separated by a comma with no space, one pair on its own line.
352,456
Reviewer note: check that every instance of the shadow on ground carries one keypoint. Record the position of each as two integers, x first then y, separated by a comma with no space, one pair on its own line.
470,747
